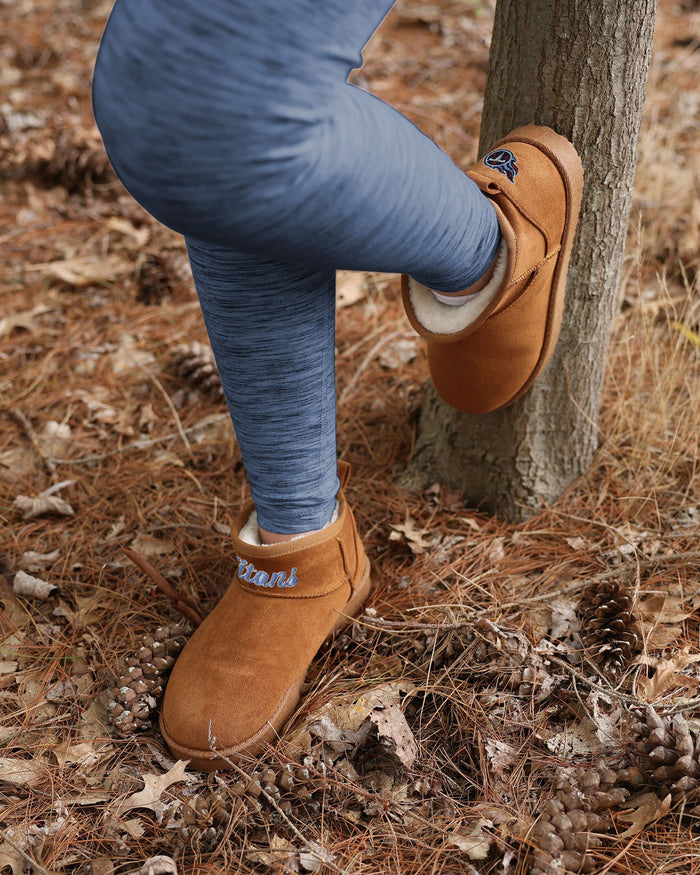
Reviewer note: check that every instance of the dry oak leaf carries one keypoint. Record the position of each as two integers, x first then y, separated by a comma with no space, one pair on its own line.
411,535
153,787
393,727
647,808
22,773
33,587
667,676
42,504
11,858
24,319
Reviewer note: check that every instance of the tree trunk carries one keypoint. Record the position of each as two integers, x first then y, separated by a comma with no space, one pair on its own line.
580,68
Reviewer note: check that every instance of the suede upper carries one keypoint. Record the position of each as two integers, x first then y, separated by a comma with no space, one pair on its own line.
490,361
238,679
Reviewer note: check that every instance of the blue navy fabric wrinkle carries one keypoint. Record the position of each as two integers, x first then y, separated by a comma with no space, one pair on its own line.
232,122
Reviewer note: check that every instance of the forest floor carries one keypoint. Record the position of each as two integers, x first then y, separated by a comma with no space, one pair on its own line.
516,697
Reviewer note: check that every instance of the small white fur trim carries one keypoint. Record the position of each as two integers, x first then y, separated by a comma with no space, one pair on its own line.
440,318
250,534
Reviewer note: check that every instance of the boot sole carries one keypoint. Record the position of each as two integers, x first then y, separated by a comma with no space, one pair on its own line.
208,761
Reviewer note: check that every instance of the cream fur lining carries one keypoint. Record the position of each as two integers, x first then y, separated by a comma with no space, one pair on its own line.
250,534
441,318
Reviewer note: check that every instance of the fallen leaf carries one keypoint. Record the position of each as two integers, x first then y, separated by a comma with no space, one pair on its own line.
147,417
350,287
133,827
83,753
33,587
10,858
33,561
337,738
646,808
22,773
496,550
314,857
564,618
393,729
282,853
153,787
606,717
8,666
502,756
23,319
577,543
55,437
662,608
668,676
399,352
86,797
81,272
382,696
580,739
476,844
160,865
147,545
411,535
128,357
42,504
139,236
62,691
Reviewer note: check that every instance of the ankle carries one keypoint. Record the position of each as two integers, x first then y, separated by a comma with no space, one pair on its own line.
278,538
254,534
456,299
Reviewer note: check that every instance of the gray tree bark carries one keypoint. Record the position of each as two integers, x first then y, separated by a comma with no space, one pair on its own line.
580,68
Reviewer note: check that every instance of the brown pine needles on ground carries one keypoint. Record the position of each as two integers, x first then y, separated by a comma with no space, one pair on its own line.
492,711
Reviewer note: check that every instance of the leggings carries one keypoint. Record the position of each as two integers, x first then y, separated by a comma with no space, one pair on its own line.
231,121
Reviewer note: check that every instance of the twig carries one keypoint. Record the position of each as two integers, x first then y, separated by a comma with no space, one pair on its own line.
180,601
33,437
168,400
365,361
144,444
25,856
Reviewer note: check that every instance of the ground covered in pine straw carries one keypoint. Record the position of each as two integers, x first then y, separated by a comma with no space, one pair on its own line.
516,698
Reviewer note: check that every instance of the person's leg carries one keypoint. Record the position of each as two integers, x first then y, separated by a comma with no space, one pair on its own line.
275,350
232,122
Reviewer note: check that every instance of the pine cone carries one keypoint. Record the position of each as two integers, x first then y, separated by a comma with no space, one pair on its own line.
195,363
246,799
609,631
572,820
205,817
142,679
669,754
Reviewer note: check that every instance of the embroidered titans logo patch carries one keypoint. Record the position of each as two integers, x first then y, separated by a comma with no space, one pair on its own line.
502,160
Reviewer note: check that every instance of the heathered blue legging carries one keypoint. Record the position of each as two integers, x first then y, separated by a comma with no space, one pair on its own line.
232,122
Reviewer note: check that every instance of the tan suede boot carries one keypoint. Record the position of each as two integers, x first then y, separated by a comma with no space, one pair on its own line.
238,679
486,353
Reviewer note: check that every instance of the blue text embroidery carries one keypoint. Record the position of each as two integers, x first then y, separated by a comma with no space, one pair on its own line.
247,571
